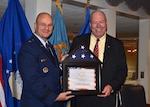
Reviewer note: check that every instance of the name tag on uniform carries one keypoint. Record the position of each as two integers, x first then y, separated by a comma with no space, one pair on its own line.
43,60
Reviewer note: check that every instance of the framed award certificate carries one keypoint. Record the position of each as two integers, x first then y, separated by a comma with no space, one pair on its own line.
82,77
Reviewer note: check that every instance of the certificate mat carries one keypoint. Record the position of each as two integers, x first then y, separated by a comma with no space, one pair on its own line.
81,78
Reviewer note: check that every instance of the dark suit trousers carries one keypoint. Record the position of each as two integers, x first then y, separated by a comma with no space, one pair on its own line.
94,101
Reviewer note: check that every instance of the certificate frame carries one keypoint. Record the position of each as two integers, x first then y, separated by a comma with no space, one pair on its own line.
94,65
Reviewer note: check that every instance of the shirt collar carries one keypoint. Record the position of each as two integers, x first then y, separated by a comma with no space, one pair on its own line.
41,40
101,39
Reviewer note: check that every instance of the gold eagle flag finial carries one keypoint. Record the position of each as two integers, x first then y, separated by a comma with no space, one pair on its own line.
87,5
59,6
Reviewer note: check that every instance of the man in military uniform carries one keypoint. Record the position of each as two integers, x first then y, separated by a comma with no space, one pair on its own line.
39,68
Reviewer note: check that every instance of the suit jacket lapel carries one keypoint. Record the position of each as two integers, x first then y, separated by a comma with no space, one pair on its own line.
45,51
87,40
40,44
107,48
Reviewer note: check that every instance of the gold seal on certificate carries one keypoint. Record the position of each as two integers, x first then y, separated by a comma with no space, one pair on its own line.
81,72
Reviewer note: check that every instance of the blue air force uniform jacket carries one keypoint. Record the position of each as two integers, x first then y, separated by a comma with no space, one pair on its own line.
40,74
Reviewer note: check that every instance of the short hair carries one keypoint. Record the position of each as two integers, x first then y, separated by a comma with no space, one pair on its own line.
42,13
95,12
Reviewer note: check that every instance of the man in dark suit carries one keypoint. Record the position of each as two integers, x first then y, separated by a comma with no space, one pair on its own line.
111,53
40,69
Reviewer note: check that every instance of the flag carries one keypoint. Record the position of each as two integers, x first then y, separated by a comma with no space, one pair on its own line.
59,38
82,53
86,26
2,96
14,30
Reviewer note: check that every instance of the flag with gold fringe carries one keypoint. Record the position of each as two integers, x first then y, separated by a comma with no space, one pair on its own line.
59,38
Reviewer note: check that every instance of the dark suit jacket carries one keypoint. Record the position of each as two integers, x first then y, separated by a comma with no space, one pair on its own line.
113,72
41,75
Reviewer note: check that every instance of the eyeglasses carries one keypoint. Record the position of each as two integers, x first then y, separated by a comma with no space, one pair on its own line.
45,25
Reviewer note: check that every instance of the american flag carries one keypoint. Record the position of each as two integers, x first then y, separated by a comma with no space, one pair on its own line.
82,53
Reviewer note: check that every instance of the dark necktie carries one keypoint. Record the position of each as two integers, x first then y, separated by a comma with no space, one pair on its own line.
96,48
48,47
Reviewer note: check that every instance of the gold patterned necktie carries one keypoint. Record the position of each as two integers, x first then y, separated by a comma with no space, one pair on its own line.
96,48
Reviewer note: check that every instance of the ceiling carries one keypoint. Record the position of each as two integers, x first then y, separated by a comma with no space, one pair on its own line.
74,16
